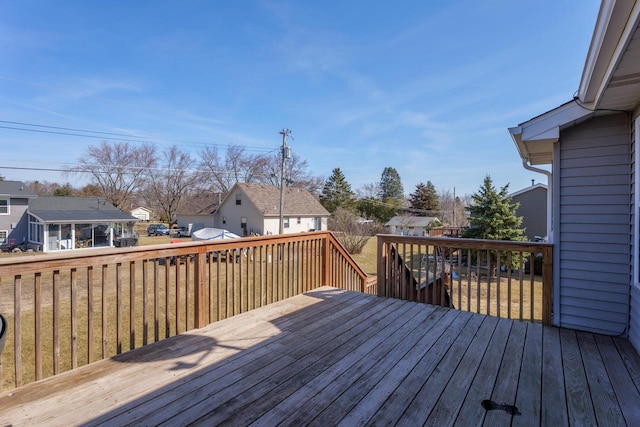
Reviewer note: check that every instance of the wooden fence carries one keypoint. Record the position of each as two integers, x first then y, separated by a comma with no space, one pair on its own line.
500,278
67,310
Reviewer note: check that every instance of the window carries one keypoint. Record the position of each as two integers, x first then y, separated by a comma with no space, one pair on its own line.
285,221
238,199
3,236
4,207
299,221
36,230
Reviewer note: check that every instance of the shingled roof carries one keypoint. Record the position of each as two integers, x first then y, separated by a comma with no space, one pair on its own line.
76,209
297,201
16,189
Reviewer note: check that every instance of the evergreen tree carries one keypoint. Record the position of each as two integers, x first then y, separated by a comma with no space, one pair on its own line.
492,216
336,192
391,189
374,208
425,198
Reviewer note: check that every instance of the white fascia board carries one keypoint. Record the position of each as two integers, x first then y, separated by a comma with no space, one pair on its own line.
546,127
516,135
526,190
617,22
36,216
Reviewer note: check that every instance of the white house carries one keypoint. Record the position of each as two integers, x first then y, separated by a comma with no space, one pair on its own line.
255,209
591,146
410,225
142,213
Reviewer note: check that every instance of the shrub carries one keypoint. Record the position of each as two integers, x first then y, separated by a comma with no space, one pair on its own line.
351,231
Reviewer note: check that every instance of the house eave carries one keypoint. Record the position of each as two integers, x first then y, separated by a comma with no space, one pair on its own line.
534,138
616,23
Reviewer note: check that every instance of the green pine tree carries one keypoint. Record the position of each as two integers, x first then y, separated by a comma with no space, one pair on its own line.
425,199
337,192
391,186
492,216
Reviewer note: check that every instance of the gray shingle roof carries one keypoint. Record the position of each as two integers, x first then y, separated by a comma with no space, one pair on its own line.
297,201
16,189
89,209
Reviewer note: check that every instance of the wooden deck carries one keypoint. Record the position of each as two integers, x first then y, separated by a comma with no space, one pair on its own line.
339,357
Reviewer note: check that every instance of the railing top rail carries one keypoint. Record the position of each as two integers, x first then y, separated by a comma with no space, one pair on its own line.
466,243
347,256
82,257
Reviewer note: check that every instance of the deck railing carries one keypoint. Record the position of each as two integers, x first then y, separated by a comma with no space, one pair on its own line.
500,278
67,310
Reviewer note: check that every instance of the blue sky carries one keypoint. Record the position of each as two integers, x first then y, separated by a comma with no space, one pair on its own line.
426,87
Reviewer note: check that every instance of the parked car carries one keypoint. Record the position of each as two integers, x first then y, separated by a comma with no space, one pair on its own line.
157,230
182,232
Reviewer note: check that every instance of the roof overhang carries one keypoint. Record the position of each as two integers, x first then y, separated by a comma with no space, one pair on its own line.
609,49
535,138
610,82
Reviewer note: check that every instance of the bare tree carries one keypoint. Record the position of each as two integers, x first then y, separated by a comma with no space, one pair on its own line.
453,210
170,184
236,166
118,169
370,190
296,171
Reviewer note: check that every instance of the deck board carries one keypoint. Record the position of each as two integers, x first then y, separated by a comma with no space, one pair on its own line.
333,357
529,395
553,409
579,406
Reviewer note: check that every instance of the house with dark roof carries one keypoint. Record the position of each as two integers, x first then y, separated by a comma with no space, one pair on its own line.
61,223
255,209
48,223
14,201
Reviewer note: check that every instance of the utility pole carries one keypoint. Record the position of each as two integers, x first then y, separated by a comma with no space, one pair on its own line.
286,154
453,220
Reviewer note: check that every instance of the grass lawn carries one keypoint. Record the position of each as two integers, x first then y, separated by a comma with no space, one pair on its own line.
367,259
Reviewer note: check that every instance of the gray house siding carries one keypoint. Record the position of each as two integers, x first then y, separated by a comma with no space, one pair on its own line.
533,210
634,300
18,206
593,225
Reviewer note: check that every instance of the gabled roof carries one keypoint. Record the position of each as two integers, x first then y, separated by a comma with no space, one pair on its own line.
528,189
266,199
16,189
410,221
76,209
610,81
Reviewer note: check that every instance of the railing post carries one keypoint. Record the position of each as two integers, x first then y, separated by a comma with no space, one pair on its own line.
547,284
199,302
381,269
326,256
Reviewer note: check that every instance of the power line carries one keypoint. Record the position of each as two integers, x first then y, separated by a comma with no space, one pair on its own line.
113,136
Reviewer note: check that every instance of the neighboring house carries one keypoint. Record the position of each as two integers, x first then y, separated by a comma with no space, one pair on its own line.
591,143
14,201
142,213
410,225
62,223
255,209
195,222
533,210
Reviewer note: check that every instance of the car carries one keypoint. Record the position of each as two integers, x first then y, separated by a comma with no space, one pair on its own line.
157,230
182,232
